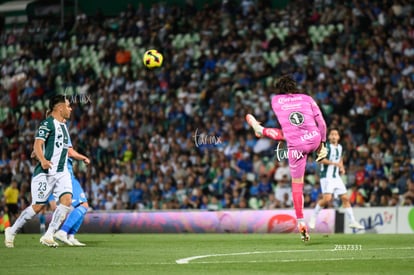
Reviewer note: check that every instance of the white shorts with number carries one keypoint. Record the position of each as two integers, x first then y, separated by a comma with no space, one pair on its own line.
333,186
43,185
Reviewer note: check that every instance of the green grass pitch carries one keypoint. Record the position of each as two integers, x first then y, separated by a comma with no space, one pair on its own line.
213,254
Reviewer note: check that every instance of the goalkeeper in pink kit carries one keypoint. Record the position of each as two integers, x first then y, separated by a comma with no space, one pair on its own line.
303,129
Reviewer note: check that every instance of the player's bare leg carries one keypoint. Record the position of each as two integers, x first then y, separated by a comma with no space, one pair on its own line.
319,206
346,205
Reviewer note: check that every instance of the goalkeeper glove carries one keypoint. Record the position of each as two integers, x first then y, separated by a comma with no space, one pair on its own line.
322,152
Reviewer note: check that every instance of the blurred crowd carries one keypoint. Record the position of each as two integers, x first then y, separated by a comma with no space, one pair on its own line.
175,137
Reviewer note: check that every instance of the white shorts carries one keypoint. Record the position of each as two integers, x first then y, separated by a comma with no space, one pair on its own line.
333,186
43,185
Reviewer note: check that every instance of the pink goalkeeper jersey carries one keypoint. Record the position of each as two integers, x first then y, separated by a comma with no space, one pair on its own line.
301,120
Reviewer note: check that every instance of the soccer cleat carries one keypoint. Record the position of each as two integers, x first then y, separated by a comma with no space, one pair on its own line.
312,222
62,236
75,242
303,230
356,225
8,238
48,241
251,120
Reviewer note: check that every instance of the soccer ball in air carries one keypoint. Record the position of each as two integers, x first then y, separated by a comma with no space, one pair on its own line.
152,59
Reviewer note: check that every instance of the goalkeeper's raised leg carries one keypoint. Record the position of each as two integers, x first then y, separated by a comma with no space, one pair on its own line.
260,131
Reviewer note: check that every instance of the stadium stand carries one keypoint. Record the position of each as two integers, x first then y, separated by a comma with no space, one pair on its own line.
175,138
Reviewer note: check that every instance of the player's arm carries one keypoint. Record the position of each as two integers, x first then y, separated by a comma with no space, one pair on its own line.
341,166
72,153
320,121
321,152
327,162
38,152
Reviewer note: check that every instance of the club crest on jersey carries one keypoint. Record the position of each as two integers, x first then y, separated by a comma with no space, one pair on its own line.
41,195
296,118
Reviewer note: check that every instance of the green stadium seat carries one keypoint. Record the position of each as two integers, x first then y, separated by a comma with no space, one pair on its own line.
79,60
69,91
39,104
274,58
187,39
269,34
84,50
72,61
10,50
58,80
121,42
130,42
4,111
115,70
312,30
101,54
254,203
91,49
107,72
180,43
196,37
3,52
32,63
197,52
285,31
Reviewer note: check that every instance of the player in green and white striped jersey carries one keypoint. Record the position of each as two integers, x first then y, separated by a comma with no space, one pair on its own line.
331,182
51,175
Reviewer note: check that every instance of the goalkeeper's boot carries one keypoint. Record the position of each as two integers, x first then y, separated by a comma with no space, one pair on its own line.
304,233
8,238
251,120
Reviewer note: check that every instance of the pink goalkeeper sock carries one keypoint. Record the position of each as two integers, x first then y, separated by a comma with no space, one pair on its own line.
273,133
297,194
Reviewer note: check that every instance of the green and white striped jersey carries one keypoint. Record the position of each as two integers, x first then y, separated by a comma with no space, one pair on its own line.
334,155
56,138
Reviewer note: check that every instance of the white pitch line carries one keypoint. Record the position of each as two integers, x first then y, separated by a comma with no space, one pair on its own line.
308,260
187,260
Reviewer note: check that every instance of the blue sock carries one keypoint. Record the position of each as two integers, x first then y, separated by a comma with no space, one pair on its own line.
77,225
77,214
42,218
